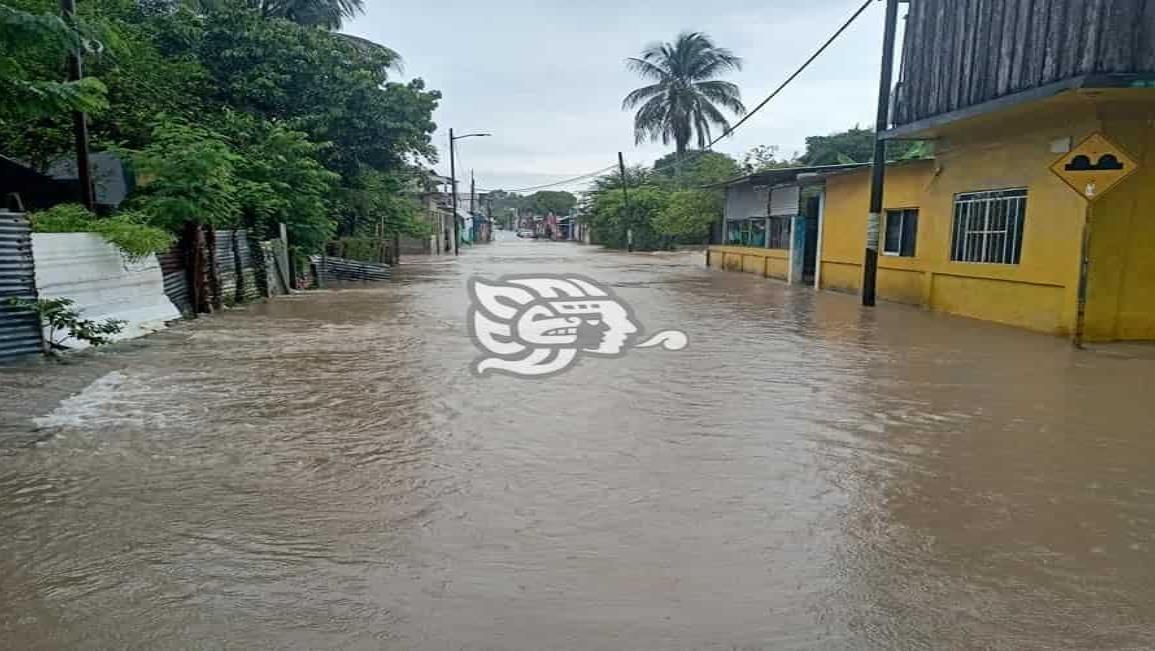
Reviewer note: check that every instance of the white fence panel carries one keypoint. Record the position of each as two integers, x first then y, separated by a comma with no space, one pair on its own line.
102,282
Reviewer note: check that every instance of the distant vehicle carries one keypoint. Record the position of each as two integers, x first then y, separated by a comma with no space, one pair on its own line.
525,232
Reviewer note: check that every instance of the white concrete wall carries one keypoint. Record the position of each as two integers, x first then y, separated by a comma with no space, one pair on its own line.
102,282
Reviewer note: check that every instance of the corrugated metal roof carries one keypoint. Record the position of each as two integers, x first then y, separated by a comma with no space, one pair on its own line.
785,175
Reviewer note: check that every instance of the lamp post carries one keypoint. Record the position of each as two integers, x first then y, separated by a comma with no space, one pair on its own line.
453,182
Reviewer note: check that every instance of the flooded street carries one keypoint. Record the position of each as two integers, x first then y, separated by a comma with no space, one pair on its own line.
323,471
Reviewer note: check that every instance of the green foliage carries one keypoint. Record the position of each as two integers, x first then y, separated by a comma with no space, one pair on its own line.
62,322
550,201
332,88
188,174
28,82
365,249
685,96
697,168
688,215
128,231
235,116
281,180
857,146
376,205
611,219
765,157
316,13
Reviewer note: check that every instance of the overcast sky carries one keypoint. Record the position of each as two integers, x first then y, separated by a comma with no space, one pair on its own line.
547,78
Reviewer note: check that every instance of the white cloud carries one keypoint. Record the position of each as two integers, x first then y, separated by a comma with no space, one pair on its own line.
547,78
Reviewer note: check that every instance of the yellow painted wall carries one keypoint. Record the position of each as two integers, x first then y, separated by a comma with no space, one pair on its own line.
1121,281
769,263
1001,151
1039,293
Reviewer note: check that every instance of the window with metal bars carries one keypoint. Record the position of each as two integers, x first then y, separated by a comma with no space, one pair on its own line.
988,226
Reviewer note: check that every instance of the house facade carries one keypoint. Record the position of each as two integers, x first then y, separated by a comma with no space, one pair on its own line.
988,228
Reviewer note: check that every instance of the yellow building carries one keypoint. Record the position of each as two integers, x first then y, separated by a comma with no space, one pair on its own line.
985,229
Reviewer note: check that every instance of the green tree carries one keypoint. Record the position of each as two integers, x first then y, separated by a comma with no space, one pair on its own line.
32,47
688,215
685,98
328,14
377,204
188,174
281,180
550,201
699,168
765,157
857,146
612,218
851,146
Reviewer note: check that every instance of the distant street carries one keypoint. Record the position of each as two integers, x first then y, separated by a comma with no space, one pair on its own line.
323,471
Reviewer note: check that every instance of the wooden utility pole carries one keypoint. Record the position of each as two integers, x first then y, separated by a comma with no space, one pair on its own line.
79,119
878,169
453,192
628,216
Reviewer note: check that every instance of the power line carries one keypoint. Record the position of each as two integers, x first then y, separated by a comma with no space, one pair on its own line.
564,182
797,72
781,87
817,53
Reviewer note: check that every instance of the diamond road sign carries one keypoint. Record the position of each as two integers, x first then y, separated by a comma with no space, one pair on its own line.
1094,166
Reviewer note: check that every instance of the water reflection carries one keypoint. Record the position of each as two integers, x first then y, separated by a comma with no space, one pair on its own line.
323,471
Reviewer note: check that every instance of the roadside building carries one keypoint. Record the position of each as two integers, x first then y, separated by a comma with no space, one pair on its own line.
993,226
437,212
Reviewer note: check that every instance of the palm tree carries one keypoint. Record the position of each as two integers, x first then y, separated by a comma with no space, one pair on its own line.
328,14
685,97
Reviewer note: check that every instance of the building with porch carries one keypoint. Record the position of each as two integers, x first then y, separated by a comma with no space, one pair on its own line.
987,228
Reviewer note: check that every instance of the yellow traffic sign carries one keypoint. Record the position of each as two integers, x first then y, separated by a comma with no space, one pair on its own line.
1094,166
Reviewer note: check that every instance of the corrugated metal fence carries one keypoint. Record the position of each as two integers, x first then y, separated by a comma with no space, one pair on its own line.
330,269
175,279
236,267
242,273
19,328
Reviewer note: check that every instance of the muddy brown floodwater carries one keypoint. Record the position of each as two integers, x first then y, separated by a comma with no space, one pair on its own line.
323,472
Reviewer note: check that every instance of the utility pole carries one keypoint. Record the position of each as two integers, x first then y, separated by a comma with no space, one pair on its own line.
878,169
79,120
472,193
453,182
626,201
453,191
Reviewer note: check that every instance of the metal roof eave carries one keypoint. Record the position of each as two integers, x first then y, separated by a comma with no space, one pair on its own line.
785,175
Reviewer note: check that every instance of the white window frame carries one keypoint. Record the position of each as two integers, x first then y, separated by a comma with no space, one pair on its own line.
901,213
981,218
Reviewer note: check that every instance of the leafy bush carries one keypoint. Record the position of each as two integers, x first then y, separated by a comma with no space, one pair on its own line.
187,174
688,215
612,221
63,322
127,230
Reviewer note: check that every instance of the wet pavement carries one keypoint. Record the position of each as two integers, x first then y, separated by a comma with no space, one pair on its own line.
323,471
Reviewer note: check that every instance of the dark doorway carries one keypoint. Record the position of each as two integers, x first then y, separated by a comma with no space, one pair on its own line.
812,206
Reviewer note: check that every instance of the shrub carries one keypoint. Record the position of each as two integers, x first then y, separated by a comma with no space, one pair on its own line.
126,230
63,322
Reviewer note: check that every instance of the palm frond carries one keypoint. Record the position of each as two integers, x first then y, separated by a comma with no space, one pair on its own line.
647,69
724,93
642,94
685,100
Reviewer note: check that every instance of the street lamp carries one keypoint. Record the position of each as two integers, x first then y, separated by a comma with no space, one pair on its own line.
453,181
